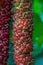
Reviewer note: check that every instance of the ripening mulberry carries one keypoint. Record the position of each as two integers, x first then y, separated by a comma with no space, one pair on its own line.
22,32
4,30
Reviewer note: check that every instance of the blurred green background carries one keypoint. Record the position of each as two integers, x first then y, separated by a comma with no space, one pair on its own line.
37,37
38,32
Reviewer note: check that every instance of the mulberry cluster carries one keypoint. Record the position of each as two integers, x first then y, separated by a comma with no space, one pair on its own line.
4,30
22,32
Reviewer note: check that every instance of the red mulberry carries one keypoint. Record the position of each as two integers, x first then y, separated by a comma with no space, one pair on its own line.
22,32
4,30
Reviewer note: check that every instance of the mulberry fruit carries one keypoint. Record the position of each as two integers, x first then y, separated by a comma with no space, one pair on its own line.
4,30
22,32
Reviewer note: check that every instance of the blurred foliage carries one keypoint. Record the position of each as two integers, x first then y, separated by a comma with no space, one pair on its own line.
38,31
